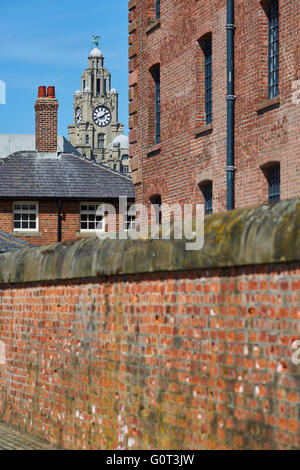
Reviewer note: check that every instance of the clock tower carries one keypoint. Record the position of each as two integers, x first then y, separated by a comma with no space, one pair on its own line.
96,130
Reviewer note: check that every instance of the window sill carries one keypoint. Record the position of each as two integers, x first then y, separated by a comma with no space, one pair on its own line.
87,234
154,150
203,130
153,26
267,105
25,234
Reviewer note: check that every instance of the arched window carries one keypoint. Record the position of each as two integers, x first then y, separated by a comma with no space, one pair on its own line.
156,203
207,190
155,72
271,170
273,177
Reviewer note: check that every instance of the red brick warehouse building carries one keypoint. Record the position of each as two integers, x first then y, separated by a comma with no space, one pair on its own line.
180,88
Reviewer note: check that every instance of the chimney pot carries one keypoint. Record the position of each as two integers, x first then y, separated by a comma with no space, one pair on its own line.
42,92
51,92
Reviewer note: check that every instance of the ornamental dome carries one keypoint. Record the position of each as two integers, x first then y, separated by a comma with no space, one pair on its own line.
113,91
77,93
122,141
96,53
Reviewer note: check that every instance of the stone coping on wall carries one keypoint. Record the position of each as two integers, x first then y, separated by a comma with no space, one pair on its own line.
243,237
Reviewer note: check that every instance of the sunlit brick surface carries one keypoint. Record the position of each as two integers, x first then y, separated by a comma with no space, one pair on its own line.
265,131
192,360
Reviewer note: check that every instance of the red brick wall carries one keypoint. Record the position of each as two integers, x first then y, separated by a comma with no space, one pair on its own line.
47,232
187,360
186,157
46,125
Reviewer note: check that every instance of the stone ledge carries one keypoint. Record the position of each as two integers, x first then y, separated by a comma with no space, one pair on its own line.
203,130
154,25
267,105
244,237
154,150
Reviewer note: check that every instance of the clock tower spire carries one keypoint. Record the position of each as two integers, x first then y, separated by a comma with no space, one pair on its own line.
96,127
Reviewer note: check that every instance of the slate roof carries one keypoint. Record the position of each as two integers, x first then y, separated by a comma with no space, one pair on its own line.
30,175
9,243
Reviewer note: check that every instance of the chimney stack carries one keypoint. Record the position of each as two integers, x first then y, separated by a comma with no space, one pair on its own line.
46,107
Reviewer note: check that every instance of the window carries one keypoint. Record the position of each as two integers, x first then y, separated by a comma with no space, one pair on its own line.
156,203
124,168
129,221
157,9
273,49
156,78
89,220
83,84
87,139
101,140
208,80
273,176
207,192
25,216
98,86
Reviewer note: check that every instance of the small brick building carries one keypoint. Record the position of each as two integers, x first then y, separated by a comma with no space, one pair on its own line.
47,196
178,88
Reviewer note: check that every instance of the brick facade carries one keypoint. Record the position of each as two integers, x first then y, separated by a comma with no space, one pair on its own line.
192,360
192,153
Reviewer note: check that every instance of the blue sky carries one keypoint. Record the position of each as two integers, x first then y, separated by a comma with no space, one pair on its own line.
47,43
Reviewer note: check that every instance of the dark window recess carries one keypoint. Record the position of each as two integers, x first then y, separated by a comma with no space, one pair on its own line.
157,9
156,77
274,183
208,80
208,200
98,86
84,84
273,49
87,139
156,203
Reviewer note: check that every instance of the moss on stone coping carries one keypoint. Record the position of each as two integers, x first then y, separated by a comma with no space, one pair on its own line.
260,235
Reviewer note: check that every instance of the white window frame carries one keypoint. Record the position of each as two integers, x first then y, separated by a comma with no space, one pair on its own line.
21,211
88,212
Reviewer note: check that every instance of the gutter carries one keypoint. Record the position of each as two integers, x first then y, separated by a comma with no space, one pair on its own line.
230,168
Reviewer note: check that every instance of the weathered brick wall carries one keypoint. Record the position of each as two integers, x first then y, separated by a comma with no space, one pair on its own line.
191,153
140,345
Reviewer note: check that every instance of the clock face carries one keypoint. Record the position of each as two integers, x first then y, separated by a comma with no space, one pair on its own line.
78,116
101,116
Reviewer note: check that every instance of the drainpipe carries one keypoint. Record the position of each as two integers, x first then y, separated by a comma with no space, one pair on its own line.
59,221
230,168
